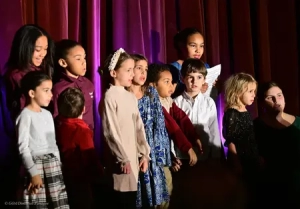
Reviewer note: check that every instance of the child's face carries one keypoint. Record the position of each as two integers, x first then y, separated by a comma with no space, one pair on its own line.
75,61
40,51
194,47
42,94
274,99
247,98
124,75
193,82
140,72
164,85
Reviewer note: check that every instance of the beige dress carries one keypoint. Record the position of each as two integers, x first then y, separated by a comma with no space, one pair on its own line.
125,136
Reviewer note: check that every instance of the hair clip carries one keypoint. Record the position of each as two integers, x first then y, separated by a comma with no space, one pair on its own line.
115,59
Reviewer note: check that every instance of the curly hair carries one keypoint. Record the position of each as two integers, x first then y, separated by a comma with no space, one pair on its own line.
235,86
154,71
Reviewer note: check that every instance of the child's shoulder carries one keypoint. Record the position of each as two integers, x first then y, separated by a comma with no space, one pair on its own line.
87,81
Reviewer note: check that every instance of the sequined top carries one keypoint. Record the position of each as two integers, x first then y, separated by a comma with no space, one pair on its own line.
238,129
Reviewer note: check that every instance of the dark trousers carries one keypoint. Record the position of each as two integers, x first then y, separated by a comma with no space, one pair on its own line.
124,200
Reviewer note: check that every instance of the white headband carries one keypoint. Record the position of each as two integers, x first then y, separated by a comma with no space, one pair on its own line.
115,59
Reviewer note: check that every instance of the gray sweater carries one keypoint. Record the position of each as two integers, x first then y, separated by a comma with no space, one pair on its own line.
36,136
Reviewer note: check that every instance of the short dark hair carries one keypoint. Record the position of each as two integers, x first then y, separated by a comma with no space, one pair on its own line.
71,103
154,71
32,80
193,66
181,37
62,48
263,88
23,46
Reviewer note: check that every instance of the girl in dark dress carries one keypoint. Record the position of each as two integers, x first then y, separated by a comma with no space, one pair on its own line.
243,158
278,137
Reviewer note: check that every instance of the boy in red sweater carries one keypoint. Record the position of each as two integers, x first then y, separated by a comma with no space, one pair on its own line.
179,127
81,167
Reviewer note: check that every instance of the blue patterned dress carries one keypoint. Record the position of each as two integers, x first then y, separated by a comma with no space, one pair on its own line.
152,187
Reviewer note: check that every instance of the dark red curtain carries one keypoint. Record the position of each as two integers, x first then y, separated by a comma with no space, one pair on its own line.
259,37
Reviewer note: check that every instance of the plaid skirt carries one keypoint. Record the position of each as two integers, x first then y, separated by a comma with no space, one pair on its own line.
53,193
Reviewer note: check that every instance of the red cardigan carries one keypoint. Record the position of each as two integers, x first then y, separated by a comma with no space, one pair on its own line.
78,155
180,128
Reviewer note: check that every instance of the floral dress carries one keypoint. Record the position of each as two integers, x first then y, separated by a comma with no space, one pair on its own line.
152,187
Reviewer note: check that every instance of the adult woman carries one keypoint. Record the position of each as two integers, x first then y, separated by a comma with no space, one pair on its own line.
278,137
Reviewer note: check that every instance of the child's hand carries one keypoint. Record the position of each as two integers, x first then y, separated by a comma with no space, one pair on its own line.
214,84
199,146
176,163
193,157
126,168
143,164
35,184
204,88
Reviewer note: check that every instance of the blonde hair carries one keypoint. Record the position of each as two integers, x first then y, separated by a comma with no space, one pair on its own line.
235,86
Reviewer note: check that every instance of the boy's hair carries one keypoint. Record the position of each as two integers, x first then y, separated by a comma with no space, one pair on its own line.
62,48
105,72
154,71
263,88
193,66
23,46
181,37
235,86
32,80
70,103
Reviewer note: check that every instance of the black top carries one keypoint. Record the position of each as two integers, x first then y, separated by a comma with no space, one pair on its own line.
238,129
280,148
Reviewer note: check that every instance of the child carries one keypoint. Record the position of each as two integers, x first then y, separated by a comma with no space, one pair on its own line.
238,130
71,68
123,130
82,168
200,108
32,50
179,126
152,190
37,145
189,43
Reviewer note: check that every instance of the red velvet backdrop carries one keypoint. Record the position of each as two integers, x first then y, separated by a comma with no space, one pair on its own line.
259,37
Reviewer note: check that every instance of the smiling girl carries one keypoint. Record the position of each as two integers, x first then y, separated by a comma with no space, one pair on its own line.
32,49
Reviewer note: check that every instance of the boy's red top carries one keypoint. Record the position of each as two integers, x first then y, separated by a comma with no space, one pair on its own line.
184,122
180,128
87,88
78,154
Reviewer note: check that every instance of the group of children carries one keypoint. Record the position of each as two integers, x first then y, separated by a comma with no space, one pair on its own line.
155,119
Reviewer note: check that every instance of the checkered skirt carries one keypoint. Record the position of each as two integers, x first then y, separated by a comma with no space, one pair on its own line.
53,194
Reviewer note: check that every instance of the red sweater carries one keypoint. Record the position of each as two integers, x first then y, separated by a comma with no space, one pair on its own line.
87,88
180,128
78,154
